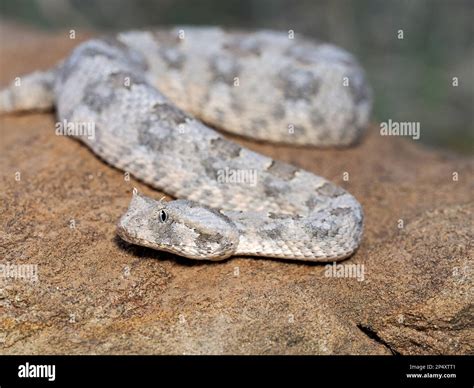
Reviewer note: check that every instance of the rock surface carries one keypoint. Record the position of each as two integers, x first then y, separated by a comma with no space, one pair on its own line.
96,294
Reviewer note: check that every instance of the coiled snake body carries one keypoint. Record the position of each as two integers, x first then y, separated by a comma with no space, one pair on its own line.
233,201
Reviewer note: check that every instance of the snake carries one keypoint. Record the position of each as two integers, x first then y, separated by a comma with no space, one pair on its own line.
161,102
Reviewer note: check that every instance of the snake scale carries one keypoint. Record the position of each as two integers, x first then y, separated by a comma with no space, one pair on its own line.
154,97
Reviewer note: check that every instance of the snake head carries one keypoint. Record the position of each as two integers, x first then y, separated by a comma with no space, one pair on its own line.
185,228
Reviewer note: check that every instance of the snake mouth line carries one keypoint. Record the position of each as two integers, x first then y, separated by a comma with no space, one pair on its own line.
124,235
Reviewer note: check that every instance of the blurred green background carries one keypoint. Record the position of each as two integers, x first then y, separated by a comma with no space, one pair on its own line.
411,77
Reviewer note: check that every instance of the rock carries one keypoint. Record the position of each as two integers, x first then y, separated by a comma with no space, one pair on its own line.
97,294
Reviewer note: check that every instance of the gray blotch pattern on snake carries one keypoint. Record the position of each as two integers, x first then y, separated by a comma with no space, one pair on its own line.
149,94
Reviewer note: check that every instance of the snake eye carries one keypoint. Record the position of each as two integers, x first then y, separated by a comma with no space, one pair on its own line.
163,216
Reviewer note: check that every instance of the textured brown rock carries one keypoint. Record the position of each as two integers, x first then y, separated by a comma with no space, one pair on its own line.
96,294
